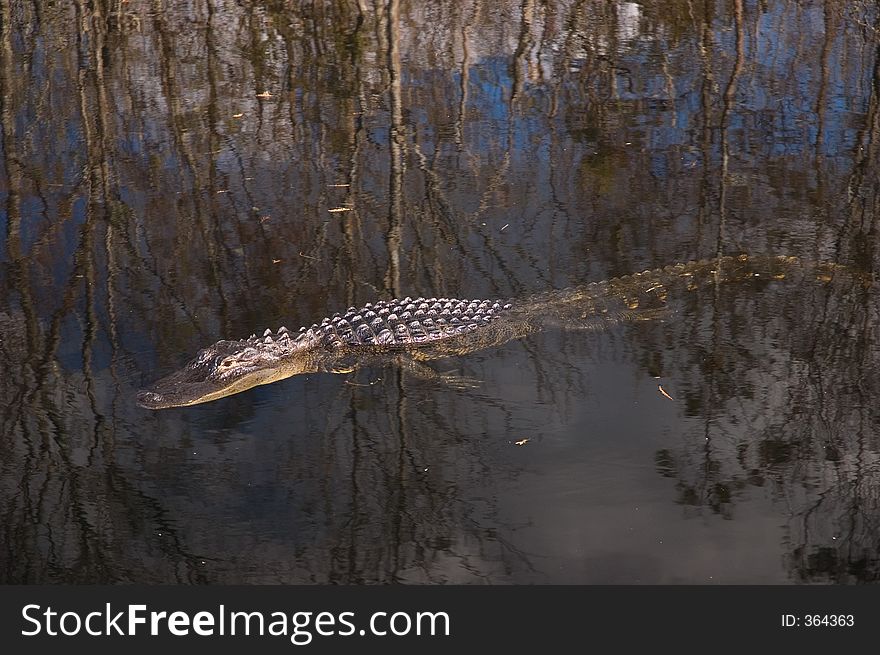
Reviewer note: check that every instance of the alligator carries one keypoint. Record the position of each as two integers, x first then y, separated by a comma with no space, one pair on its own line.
412,331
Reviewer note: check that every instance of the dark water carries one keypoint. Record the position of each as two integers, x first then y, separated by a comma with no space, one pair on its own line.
169,171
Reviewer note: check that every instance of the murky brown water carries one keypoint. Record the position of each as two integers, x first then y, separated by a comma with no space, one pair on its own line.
169,171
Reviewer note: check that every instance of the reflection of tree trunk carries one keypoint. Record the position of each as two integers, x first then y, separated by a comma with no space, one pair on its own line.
354,124
167,54
395,146
392,281
464,80
705,47
95,113
12,166
729,101
705,117
710,487
14,411
853,554
822,92
351,229
94,136
864,194
520,55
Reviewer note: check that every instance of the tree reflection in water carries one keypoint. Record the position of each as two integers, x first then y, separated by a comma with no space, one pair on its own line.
168,173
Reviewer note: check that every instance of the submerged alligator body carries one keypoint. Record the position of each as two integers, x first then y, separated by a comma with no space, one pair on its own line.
412,331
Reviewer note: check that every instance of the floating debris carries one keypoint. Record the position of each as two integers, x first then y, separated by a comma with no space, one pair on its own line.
521,442
361,384
340,209
264,94
660,387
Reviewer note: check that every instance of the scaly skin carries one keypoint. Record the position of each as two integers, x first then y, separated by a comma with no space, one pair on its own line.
412,331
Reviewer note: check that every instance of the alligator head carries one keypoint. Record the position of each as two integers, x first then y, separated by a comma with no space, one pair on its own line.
223,369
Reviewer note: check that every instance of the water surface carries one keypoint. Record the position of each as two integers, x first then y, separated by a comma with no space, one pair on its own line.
168,178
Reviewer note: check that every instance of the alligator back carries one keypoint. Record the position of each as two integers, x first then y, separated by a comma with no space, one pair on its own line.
408,322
